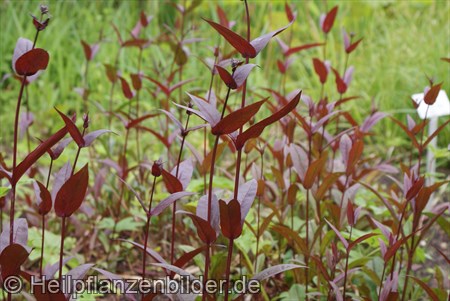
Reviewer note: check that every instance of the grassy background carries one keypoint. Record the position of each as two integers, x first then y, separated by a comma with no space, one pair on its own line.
403,43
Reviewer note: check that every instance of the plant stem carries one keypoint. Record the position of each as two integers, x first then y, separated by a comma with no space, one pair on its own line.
13,186
147,230
227,273
346,264
42,245
172,243
381,280
61,250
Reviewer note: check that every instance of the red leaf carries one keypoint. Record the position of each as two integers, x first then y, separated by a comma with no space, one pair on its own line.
425,286
301,47
140,43
238,42
73,130
359,240
230,219
72,193
44,199
87,50
350,214
314,170
415,188
339,235
281,67
236,119
169,201
136,80
222,17
353,46
289,14
37,153
321,70
186,257
11,258
172,183
133,123
256,129
340,84
432,94
329,20
111,73
226,77
354,155
32,61
126,88
204,230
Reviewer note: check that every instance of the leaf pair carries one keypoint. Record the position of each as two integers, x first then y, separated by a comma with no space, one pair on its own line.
239,76
27,60
245,48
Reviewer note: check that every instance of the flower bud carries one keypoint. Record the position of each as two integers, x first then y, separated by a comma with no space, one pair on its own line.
157,168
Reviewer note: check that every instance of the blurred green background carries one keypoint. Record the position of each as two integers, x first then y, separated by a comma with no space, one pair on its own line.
403,43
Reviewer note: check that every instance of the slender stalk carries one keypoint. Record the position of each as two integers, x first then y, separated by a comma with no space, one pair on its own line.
147,231
381,281
228,268
42,245
174,209
244,92
138,93
61,250
13,186
346,264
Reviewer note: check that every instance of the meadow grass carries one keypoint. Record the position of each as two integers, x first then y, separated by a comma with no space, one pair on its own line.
403,43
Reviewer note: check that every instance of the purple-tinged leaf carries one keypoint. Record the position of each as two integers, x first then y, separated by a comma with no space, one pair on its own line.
230,218
90,138
174,119
246,196
339,235
185,171
60,178
260,42
155,255
138,197
174,269
208,111
337,291
202,210
371,121
20,235
277,269
50,270
241,73
169,201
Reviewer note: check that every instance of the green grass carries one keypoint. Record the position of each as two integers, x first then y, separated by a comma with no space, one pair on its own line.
403,43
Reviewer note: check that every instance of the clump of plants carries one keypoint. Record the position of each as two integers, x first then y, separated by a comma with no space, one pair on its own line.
218,178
